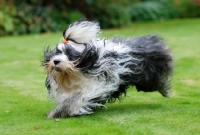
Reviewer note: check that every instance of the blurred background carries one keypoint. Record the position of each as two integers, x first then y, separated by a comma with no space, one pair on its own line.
39,16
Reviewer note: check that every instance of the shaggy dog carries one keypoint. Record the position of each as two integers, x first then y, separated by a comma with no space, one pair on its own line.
84,72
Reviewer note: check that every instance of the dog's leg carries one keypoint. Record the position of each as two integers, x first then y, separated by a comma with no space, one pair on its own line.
62,110
54,114
72,106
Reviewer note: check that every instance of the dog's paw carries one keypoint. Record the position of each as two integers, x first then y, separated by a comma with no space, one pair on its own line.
52,114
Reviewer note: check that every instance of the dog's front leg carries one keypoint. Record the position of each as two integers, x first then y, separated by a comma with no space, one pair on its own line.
71,106
61,111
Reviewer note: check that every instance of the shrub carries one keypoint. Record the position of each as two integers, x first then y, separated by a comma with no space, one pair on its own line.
26,18
186,8
6,20
110,13
164,9
148,10
33,16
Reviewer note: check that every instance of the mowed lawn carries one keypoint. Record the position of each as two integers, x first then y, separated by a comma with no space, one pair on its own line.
24,99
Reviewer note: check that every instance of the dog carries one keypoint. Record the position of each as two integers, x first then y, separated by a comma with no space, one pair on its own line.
84,72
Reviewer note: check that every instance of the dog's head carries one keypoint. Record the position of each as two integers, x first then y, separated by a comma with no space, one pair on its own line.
67,58
77,50
65,63
77,54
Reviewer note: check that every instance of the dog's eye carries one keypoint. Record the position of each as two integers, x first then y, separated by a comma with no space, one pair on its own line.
58,51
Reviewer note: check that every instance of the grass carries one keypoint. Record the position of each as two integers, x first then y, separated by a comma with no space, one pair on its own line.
24,102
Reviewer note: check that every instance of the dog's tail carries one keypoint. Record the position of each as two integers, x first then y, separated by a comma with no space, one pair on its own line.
152,64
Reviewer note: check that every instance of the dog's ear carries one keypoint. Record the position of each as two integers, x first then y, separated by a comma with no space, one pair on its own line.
88,58
47,84
47,55
82,31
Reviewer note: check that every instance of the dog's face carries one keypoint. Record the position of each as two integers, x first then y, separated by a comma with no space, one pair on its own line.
66,63
62,58
61,66
67,58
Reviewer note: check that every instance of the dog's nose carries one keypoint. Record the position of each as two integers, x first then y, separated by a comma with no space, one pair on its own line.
56,62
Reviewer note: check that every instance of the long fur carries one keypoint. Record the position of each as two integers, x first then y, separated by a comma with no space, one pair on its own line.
88,72
82,31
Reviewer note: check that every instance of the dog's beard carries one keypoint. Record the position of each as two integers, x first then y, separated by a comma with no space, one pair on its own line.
65,77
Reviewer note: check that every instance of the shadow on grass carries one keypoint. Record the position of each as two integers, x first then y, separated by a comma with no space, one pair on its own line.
131,108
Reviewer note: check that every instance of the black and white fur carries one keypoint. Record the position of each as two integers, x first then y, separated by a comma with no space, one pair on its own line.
87,72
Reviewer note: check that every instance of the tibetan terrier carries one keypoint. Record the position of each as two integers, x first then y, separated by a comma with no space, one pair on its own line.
84,72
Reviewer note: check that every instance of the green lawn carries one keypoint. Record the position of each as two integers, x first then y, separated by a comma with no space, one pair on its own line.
24,102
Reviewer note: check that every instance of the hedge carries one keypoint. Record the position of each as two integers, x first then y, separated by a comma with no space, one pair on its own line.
33,16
